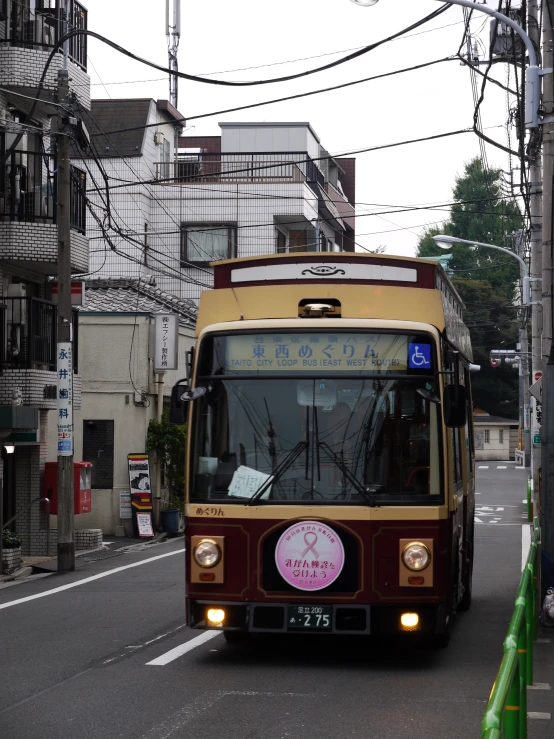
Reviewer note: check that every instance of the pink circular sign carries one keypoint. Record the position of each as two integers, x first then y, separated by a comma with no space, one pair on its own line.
309,555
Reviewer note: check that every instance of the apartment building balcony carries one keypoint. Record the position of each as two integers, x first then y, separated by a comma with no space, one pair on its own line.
28,340
29,29
241,168
28,231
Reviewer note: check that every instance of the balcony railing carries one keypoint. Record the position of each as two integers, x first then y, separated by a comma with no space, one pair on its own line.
28,190
257,168
41,23
28,334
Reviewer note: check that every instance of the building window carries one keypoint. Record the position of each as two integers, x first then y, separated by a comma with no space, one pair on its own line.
202,243
98,448
501,437
487,436
280,242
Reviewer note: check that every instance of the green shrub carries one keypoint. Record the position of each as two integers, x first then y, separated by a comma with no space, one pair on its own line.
10,540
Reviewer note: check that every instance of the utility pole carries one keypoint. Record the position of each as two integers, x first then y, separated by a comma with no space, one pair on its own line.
535,248
66,521
546,499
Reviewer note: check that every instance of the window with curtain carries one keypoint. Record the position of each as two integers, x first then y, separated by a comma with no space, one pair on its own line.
206,242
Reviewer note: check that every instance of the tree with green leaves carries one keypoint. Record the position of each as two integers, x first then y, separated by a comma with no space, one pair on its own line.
486,280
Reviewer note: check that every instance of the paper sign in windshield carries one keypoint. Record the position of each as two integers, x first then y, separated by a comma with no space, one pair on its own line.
309,555
305,352
246,481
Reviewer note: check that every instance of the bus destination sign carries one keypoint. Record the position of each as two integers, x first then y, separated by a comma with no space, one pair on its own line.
305,352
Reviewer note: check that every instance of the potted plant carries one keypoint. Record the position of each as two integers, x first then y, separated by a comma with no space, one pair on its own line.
168,441
11,552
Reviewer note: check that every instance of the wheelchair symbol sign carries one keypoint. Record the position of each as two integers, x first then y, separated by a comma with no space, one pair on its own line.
419,356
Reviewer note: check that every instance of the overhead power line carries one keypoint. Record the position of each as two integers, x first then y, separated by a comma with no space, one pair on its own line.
187,119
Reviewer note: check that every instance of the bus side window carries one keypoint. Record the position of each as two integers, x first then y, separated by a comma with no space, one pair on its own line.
470,444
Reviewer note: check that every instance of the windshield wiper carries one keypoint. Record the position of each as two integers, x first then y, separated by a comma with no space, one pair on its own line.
366,491
281,468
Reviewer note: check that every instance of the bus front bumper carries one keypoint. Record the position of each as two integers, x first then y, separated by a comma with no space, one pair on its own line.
318,618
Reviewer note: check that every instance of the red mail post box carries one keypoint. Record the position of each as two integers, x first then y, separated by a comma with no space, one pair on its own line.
82,496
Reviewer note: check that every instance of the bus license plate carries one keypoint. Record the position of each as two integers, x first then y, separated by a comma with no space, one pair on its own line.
317,618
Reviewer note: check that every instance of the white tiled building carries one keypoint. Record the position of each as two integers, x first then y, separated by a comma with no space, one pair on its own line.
28,248
259,188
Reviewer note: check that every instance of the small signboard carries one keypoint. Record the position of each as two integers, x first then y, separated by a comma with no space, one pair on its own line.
144,524
125,509
65,399
77,293
536,388
166,342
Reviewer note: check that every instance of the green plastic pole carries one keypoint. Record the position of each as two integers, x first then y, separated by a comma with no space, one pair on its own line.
529,511
512,709
529,617
522,651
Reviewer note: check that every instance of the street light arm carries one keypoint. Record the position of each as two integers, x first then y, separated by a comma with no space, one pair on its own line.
453,240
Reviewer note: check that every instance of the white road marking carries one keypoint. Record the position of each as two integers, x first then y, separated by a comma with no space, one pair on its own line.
539,686
500,509
86,580
188,646
519,468
501,467
543,641
478,520
483,466
538,714
525,543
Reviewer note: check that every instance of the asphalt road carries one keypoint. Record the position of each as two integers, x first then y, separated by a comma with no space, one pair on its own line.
74,661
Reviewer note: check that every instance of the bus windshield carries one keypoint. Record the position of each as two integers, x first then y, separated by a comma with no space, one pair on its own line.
275,439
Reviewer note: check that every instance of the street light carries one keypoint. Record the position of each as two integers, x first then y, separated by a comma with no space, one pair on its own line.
532,73
447,242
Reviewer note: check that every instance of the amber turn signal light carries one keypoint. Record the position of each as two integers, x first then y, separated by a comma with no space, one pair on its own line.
416,580
207,576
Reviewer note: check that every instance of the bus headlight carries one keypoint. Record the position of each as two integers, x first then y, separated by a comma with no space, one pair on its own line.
207,553
416,556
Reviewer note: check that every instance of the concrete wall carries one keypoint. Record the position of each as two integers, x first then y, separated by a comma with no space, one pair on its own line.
493,450
107,342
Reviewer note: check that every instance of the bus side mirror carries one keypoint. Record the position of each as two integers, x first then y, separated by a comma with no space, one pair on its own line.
177,407
454,406
181,395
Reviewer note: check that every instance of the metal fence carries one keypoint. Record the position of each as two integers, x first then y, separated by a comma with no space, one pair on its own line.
506,713
28,334
41,23
258,168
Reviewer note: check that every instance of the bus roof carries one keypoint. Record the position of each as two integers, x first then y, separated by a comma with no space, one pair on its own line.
366,285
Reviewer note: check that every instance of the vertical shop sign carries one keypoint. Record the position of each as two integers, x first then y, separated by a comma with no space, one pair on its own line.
65,399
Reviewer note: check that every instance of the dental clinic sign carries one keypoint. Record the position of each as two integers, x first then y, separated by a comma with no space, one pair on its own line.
65,399
309,555
166,342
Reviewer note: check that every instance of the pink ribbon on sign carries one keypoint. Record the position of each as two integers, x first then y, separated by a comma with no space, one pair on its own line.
310,545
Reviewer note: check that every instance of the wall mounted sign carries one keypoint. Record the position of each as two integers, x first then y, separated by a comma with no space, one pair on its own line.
309,555
166,342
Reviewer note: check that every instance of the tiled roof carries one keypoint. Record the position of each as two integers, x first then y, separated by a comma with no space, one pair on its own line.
110,115
482,418
125,295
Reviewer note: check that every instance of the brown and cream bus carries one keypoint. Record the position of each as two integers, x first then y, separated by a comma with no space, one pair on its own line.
330,463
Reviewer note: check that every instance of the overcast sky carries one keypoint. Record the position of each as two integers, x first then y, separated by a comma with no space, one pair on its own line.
219,36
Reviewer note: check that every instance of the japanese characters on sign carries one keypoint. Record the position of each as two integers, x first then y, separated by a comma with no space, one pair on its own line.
166,342
304,352
309,555
65,399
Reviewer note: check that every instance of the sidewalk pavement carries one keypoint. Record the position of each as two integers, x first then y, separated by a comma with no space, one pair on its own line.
112,546
540,696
